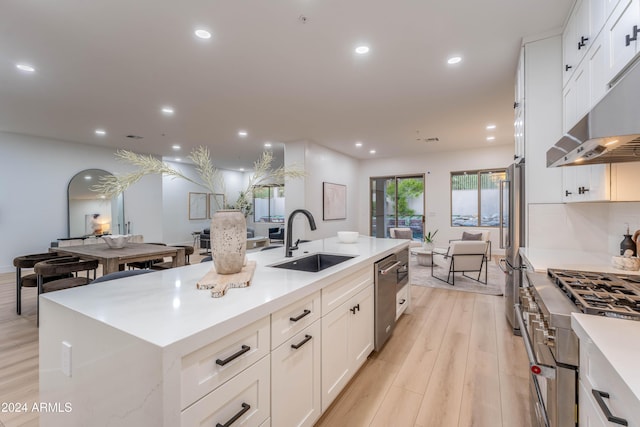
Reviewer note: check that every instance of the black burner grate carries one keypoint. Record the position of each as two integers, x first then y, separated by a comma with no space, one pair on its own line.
604,294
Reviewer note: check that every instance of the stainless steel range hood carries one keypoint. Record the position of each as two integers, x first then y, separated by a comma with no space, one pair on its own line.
609,133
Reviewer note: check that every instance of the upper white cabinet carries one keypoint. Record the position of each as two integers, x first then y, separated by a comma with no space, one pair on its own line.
586,183
622,34
599,41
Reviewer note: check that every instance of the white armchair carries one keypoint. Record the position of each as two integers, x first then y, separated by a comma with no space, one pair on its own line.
462,256
481,235
404,233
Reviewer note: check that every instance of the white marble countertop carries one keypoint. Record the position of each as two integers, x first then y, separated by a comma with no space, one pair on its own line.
619,342
165,307
542,259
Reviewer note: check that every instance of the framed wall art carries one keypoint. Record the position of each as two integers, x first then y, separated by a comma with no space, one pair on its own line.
334,201
198,206
217,201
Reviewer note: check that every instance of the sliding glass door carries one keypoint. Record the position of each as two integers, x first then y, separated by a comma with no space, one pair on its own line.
397,201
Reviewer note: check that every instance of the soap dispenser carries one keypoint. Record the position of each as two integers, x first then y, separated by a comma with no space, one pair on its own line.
627,243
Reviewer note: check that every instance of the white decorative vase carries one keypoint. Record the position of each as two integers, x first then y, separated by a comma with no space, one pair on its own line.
228,241
428,246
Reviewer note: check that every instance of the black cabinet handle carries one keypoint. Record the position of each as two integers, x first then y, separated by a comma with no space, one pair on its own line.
354,308
402,301
567,67
605,409
306,339
567,192
245,408
629,39
582,43
243,350
582,190
304,313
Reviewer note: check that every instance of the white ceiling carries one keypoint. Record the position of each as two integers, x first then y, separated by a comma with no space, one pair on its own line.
114,64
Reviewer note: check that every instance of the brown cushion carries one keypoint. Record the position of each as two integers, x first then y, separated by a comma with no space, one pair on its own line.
70,282
471,236
404,234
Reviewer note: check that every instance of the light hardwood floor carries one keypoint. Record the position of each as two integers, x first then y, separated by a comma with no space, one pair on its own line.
452,361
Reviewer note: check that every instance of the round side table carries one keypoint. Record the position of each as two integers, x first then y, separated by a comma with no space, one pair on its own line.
423,256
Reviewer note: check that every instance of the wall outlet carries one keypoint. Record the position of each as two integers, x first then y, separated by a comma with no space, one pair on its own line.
66,358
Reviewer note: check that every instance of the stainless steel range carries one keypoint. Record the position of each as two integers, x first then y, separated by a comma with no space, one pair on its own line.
544,316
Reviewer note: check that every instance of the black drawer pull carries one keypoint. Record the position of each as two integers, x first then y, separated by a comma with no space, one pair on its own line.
354,308
402,301
605,409
221,362
628,39
306,339
245,408
304,313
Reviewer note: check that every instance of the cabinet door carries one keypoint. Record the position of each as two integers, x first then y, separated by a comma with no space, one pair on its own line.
598,73
583,93
569,185
295,379
361,328
589,414
624,182
335,353
598,185
619,28
583,36
569,51
245,398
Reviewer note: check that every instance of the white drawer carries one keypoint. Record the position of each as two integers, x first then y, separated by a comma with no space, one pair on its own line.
402,300
292,319
246,397
335,295
597,373
205,369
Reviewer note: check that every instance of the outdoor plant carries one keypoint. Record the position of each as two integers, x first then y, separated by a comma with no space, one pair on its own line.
429,236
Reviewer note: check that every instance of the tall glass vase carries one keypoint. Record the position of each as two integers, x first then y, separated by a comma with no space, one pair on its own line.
228,241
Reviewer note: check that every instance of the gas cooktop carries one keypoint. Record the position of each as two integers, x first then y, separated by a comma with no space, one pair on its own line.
605,294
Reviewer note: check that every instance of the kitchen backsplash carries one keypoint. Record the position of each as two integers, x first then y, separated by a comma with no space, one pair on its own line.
595,227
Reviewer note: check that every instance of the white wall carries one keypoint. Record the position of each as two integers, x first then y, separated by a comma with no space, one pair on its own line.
321,165
437,168
591,227
34,175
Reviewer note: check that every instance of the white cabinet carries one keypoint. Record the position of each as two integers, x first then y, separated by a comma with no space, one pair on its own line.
295,379
622,35
212,365
245,399
599,381
586,183
347,340
625,180
576,38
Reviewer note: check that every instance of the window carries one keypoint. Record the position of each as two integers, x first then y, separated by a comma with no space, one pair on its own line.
268,204
475,198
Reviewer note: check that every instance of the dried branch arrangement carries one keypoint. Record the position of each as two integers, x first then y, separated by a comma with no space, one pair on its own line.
211,178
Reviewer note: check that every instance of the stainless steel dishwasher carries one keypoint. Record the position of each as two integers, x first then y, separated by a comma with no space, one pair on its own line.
391,273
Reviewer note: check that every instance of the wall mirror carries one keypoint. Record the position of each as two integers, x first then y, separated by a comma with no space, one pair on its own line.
90,214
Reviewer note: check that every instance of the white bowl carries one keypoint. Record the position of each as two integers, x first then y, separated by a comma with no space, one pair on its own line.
116,241
348,236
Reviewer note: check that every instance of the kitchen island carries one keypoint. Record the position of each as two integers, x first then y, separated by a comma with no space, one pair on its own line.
128,352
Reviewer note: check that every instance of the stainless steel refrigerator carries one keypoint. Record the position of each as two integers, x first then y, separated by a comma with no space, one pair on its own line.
512,236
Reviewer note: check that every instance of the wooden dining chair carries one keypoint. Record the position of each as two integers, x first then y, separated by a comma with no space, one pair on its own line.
30,280
70,267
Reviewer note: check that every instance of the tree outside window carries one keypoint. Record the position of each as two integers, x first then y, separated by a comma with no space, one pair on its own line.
268,204
475,198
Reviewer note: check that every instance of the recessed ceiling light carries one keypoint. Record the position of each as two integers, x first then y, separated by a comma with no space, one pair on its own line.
101,132
168,110
491,127
491,138
25,67
87,177
241,169
372,151
178,159
267,144
203,34
361,50
454,60
358,144
242,133
176,147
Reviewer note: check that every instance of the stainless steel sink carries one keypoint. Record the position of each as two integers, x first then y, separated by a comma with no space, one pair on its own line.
314,262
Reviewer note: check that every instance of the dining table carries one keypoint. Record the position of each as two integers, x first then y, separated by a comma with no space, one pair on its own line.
115,259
